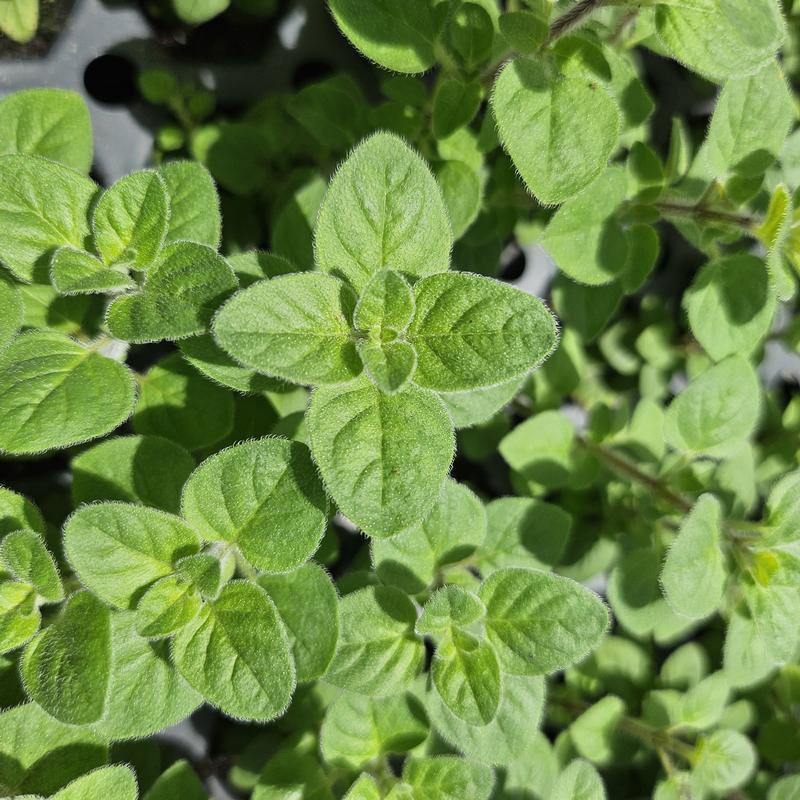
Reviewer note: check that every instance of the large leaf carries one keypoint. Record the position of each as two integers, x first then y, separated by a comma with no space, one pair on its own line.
50,393
383,457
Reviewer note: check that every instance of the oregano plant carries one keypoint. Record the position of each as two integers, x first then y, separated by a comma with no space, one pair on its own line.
425,432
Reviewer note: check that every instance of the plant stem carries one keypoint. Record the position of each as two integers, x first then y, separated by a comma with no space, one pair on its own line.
744,221
572,18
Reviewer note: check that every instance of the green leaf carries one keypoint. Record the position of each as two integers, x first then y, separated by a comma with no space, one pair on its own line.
721,38
359,729
785,789
24,555
364,441
166,606
293,775
540,623
309,607
265,497
66,667
526,31
195,12
383,210
145,694
750,123
472,332
147,470
775,233
296,327
462,188
385,306
448,778
773,608
596,734
116,549
194,204
584,238
180,293
18,512
477,406
378,653
117,781
49,390
40,755
11,303
523,532
717,410
204,571
43,205
521,704
466,674
19,615
731,305
452,530
178,781
455,104
365,788
293,225
75,271
559,130
694,571
19,19
469,33
724,761
179,404
579,781
53,123
396,34
702,706
389,365
130,220
236,654
449,607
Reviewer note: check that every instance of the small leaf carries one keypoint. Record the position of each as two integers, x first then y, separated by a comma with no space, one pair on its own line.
462,189
471,332
235,653
180,294
296,327
130,220
36,189
24,555
717,410
309,607
202,570
537,113
19,616
166,606
177,781
449,607
378,653
49,386
448,778
13,311
116,549
383,210
365,788
53,123
265,497
66,667
74,271
455,104
579,781
538,622
386,305
364,441
389,365
17,512
117,781
194,204
725,760
694,572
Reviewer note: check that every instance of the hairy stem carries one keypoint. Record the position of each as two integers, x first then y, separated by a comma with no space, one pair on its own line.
744,221
571,19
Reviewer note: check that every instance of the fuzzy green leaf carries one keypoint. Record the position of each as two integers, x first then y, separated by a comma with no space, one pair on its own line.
383,210
579,781
236,654
264,496
724,762
538,622
74,271
49,390
66,667
559,130
462,188
194,204
117,548
365,788
385,307
19,616
364,442
177,781
180,293
117,781
694,571
454,106
389,365
47,122
18,512
378,653
24,555
166,606
296,327
447,608
11,303
448,778
472,332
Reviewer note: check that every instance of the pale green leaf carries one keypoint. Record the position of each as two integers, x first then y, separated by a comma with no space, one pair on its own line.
724,761
462,188
19,616
196,12
53,123
383,210
364,443
293,775
448,778
13,311
236,654
378,653
476,406
49,393
166,606
74,271
66,667
559,130
194,204
178,782
389,365
19,19
472,332
117,781
365,788
579,781
265,497
449,607
16,512
385,307
538,622
116,549
24,555
296,327
595,733
204,571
